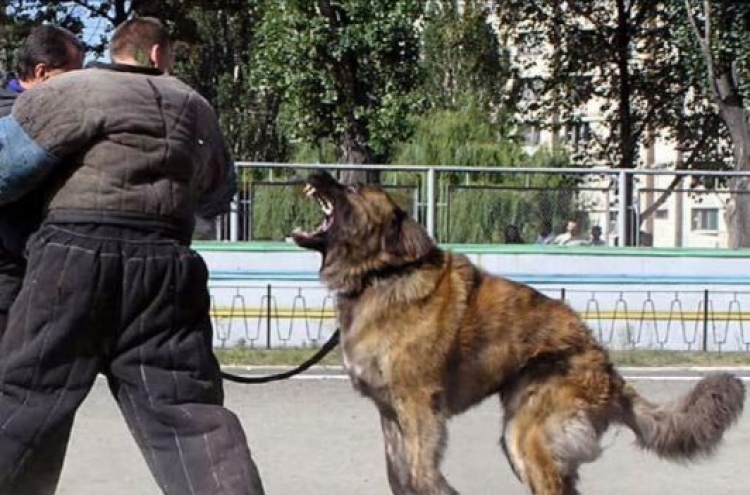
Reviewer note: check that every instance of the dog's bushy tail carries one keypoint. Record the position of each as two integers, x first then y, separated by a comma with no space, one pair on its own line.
690,427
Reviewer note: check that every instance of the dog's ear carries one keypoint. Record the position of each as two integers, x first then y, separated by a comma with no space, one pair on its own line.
405,239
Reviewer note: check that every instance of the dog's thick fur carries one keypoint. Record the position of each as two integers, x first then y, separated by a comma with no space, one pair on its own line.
426,335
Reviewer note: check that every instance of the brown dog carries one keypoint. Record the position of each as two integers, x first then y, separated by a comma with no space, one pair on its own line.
427,335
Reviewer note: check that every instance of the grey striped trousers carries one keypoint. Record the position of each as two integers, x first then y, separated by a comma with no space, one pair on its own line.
133,305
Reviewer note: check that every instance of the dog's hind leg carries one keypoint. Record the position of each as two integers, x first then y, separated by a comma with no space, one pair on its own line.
546,452
415,437
541,472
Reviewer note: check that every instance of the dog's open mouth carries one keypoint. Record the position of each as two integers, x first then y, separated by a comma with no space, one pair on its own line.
326,206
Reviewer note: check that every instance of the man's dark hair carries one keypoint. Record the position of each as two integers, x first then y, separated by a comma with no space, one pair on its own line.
46,44
135,37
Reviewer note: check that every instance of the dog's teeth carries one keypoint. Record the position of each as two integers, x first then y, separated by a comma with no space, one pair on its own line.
309,190
327,208
297,230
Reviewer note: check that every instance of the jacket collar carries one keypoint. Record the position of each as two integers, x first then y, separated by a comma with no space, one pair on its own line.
136,69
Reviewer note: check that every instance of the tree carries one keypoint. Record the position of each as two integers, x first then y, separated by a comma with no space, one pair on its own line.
347,71
462,59
721,32
216,58
468,102
579,57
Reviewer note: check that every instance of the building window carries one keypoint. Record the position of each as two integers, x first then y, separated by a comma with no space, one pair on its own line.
662,214
705,219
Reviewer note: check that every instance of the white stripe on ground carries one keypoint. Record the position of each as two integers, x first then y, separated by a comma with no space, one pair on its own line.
636,378
630,378
622,369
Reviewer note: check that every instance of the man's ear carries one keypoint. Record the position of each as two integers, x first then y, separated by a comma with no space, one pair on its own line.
155,55
41,73
161,58
405,239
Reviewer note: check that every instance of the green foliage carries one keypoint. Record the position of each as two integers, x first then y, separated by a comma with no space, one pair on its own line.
353,71
219,65
464,137
462,58
281,207
479,206
323,152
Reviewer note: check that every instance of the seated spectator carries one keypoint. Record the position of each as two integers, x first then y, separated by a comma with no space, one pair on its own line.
545,234
512,235
570,237
596,236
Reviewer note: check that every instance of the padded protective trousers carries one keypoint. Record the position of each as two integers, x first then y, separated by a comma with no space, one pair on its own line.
42,469
132,305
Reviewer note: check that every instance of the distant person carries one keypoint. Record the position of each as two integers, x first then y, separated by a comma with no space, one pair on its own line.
596,236
570,236
512,235
545,234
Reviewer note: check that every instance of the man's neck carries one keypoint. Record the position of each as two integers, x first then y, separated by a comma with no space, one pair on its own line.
127,61
127,65
26,85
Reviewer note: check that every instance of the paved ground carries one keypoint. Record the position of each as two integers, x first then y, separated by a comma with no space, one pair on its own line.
317,437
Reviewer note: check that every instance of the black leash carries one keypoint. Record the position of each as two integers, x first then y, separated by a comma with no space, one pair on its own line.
332,342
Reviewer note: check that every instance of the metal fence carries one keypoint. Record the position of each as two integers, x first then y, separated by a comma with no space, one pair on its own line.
272,316
475,204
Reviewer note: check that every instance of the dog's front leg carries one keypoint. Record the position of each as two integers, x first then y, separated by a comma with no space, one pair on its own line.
395,455
415,437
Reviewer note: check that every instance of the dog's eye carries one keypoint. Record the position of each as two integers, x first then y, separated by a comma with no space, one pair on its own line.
354,188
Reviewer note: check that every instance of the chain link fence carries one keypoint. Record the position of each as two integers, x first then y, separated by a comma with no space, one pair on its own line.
481,205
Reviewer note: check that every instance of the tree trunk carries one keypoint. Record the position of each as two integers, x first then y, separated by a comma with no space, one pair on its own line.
737,213
625,117
732,108
679,209
650,195
354,153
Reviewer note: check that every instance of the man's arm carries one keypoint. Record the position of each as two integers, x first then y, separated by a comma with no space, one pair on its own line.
219,200
23,163
46,126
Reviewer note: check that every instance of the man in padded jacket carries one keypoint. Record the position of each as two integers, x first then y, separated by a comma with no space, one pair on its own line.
112,285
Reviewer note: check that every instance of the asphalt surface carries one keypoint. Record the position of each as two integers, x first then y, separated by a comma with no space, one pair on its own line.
316,436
